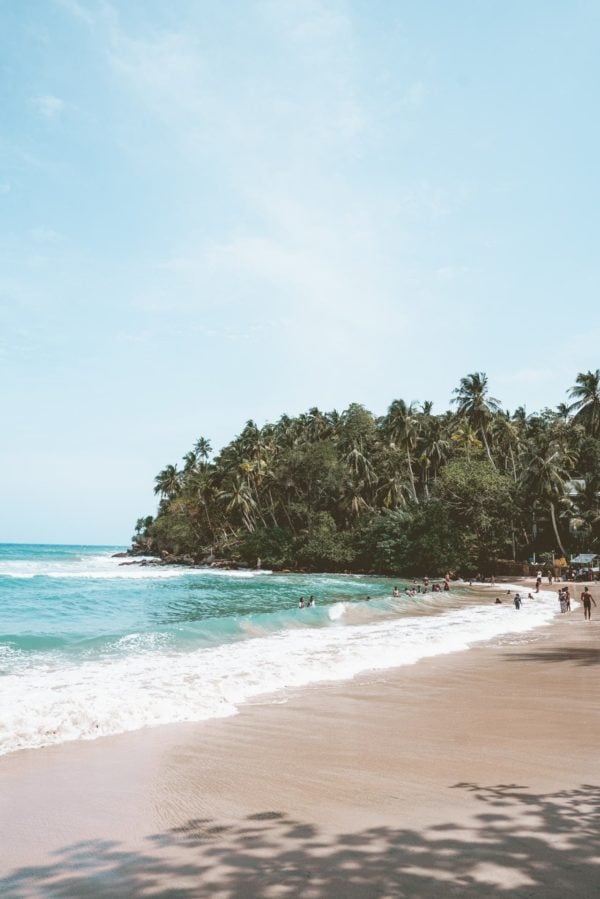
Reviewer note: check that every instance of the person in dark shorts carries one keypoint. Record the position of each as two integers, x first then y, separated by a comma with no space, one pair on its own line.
517,602
587,599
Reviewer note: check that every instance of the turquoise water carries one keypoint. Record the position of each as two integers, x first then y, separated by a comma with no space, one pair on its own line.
89,646
79,599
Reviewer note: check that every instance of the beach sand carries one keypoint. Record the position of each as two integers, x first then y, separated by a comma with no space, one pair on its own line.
473,774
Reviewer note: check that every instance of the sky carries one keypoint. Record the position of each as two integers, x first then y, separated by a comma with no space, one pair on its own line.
211,212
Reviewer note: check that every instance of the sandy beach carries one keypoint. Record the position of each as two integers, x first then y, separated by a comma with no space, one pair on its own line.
472,774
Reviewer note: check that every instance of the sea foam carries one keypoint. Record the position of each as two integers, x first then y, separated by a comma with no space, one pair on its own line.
44,705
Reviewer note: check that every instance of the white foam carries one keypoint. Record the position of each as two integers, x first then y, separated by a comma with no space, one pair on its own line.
49,705
336,611
105,567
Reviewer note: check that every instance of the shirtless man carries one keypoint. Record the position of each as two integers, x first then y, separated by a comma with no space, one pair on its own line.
587,599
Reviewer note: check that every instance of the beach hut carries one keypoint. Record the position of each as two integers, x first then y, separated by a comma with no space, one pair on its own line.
586,560
585,565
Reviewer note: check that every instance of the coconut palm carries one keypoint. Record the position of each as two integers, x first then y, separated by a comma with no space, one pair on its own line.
474,403
238,498
586,394
202,449
506,435
167,482
189,463
402,426
544,478
465,437
435,447
587,506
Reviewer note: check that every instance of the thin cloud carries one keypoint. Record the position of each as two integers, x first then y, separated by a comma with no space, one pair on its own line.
76,9
48,106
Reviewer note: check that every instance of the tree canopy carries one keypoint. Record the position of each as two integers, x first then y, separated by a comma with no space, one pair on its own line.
406,492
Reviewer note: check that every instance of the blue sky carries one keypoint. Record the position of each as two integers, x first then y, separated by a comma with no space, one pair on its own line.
211,212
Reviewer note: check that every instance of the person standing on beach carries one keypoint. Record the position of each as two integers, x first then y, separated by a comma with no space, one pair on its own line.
538,581
587,599
517,602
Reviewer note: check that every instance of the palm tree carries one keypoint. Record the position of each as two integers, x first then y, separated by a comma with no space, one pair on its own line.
202,449
473,402
167,482
465,436
403,427
435,447
189,463
506,434
239,499
586,394
544,477
587,506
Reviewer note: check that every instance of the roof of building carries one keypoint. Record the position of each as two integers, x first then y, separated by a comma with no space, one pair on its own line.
584,558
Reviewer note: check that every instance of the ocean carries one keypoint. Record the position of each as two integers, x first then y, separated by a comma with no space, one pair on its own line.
91,647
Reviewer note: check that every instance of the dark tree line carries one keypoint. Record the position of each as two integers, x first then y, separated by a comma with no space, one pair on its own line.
407,492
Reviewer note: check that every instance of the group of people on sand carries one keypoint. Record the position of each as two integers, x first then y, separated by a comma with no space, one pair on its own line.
308,604
564,600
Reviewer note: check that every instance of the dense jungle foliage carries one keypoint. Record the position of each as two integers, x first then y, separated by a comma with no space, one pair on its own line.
408,492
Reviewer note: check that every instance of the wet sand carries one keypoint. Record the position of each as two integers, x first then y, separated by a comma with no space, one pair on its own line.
474,774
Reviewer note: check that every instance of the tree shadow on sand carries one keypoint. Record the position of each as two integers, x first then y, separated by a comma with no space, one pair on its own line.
518,844
581,655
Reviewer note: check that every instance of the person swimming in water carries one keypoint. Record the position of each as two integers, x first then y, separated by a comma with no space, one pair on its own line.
301,603
311,602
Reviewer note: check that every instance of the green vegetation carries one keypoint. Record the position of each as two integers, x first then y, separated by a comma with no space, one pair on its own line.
409,492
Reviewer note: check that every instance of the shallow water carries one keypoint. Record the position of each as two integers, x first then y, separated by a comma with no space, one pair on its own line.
89,646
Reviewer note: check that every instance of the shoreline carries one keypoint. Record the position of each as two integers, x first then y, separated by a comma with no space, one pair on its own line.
345,788
122,695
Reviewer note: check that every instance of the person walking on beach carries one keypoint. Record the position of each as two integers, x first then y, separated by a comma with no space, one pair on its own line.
567,596
587,599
